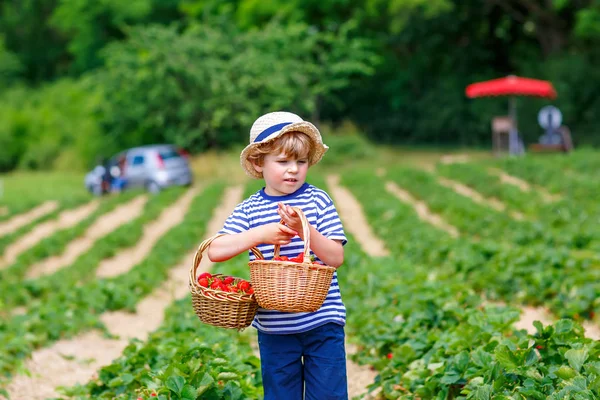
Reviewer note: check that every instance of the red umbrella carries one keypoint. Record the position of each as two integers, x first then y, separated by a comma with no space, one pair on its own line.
512,86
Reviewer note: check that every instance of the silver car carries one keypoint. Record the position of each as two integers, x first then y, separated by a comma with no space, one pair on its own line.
153,167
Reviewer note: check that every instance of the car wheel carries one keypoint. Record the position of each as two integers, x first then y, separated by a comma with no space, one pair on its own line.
153,187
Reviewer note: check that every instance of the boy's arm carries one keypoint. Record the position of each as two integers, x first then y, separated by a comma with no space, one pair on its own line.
330,251
225,247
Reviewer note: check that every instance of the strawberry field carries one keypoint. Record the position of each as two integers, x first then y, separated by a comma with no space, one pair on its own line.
467,280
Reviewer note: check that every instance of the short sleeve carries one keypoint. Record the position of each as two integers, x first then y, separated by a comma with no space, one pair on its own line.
329,223
237,222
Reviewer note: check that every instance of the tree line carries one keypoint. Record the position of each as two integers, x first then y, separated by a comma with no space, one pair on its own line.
83,78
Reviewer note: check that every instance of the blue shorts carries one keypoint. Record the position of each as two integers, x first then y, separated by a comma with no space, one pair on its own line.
312,362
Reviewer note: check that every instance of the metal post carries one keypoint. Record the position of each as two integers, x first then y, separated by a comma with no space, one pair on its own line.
513,137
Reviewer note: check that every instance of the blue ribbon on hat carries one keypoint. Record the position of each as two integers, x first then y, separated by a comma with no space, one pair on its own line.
272,129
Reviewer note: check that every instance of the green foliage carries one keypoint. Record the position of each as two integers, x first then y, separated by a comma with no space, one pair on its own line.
346,143
91,24
189,89
10,66
39,125
396,68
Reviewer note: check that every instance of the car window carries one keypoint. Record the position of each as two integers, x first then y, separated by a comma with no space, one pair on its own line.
137,160
168,153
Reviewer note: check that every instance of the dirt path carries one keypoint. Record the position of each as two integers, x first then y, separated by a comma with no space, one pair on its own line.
128,258
531,314
354,219
421,209
21,220
454,158
523,185
102,227
73,361
65,220
477,197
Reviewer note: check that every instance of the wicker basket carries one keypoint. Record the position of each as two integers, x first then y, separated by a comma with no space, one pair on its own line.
290,286
218,308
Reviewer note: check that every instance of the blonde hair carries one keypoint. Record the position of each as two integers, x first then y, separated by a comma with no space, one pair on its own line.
293,144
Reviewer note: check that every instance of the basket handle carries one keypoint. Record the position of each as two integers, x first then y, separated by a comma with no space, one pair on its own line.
305,231
202,248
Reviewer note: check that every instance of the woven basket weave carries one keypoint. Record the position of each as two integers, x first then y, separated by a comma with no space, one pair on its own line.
290,286
216,307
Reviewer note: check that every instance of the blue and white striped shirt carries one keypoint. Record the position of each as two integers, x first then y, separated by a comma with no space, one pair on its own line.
260,209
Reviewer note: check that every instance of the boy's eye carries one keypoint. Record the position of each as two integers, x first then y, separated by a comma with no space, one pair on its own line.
302,161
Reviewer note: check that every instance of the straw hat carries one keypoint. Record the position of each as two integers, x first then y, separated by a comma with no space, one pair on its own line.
271,126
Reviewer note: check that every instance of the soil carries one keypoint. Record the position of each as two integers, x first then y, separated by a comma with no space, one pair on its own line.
354,219
100,228
454,158
28,217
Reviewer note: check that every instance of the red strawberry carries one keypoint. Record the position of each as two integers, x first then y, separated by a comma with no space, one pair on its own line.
250,290
244,286
228,280
203,282
389,355
206,275
216,284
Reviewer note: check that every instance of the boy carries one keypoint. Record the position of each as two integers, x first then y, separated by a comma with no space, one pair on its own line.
302,354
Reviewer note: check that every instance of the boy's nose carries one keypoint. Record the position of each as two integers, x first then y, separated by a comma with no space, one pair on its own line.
293,167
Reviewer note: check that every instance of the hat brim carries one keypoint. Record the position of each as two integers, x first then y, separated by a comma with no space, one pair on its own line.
305,127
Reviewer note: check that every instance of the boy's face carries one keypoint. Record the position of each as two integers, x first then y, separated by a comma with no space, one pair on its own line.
283,174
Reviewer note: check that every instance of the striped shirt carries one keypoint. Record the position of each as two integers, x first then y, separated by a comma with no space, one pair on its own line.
260,209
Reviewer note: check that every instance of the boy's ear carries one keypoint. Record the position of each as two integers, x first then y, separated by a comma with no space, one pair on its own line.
257,167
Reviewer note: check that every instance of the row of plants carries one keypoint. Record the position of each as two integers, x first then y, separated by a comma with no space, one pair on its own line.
184,359
64,204
536,274
82,270
73,309
19,291
554,175
567,216
484,222
583,162
531,204
418,319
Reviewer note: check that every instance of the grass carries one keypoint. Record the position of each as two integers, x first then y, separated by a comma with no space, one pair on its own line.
20,190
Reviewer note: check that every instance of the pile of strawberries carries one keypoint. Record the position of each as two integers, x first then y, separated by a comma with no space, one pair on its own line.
297,259
225,283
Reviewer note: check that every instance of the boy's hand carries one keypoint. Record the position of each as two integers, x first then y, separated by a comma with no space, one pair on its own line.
290,217
276,233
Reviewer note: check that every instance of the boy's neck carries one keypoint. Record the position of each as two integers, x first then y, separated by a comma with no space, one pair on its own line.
270,193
